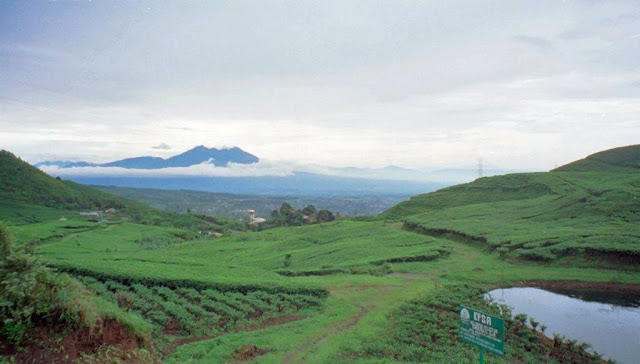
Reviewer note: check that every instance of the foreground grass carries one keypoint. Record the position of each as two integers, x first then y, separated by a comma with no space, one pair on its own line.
374,272
359,317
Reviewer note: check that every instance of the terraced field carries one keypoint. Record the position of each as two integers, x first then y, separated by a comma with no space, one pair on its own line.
191,311
318,293
382,289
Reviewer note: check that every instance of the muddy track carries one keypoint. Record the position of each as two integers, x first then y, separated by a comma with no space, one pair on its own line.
320,338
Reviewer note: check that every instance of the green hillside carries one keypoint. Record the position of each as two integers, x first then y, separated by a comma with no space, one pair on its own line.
21,181
374,290
613,160
542,216
28,195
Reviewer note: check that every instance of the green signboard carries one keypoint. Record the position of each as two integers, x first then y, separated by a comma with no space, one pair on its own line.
482,330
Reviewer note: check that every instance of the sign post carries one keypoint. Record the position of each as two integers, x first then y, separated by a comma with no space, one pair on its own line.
482,330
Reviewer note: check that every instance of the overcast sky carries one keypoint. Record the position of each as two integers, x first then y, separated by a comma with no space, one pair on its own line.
522,84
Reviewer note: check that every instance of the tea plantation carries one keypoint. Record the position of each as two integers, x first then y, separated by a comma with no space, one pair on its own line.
384,289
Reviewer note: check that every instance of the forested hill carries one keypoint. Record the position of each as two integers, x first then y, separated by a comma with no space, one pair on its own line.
623,159
21,181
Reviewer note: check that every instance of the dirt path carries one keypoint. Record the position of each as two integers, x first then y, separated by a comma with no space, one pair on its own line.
274,321
319,338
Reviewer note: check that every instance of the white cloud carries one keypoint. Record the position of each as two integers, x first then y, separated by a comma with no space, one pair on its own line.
163,146
412,83
206,169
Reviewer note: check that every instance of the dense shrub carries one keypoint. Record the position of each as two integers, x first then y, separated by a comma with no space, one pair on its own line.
30,291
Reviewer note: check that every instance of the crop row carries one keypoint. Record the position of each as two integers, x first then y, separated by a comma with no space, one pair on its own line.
199,285
189,311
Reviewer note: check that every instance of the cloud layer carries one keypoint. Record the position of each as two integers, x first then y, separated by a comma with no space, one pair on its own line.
524,85
276,169
200,170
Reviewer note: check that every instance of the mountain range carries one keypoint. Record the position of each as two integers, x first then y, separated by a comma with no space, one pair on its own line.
309,180
197,155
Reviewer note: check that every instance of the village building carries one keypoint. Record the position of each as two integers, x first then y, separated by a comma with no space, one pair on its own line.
253,220
91,213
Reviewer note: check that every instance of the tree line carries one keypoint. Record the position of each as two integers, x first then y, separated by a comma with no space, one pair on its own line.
288,216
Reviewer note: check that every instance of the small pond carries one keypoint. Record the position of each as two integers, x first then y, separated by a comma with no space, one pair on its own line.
612,329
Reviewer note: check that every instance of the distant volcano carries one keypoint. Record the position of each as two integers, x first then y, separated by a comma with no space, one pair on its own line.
197,155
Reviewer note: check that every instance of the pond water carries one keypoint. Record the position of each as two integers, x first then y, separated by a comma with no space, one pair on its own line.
613,330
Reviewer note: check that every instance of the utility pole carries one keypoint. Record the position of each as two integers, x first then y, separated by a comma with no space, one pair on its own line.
479,167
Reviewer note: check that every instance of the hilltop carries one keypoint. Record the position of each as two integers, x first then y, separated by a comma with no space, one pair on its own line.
29,195
21,181
192,157
623,159
587,208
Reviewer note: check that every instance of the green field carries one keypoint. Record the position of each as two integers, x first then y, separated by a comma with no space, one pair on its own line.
384,289
375,273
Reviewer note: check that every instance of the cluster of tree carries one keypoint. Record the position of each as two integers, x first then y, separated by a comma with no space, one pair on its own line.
288,216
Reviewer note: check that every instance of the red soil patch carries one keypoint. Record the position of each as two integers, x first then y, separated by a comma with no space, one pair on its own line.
51,345
172,327
249,352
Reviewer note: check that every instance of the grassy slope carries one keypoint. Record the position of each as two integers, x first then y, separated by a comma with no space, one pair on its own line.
362,315
540,216
244,258
359,314
28,195
613,160
44,210
359,311
22,182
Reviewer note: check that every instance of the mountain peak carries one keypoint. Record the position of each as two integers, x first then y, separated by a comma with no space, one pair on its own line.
196,155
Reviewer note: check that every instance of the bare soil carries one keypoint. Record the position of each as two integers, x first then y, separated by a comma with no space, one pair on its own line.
53,345
249,352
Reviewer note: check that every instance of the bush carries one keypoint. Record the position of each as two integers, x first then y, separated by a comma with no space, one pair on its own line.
29,290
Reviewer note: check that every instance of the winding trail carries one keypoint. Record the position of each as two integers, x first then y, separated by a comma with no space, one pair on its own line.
300,354
308,348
